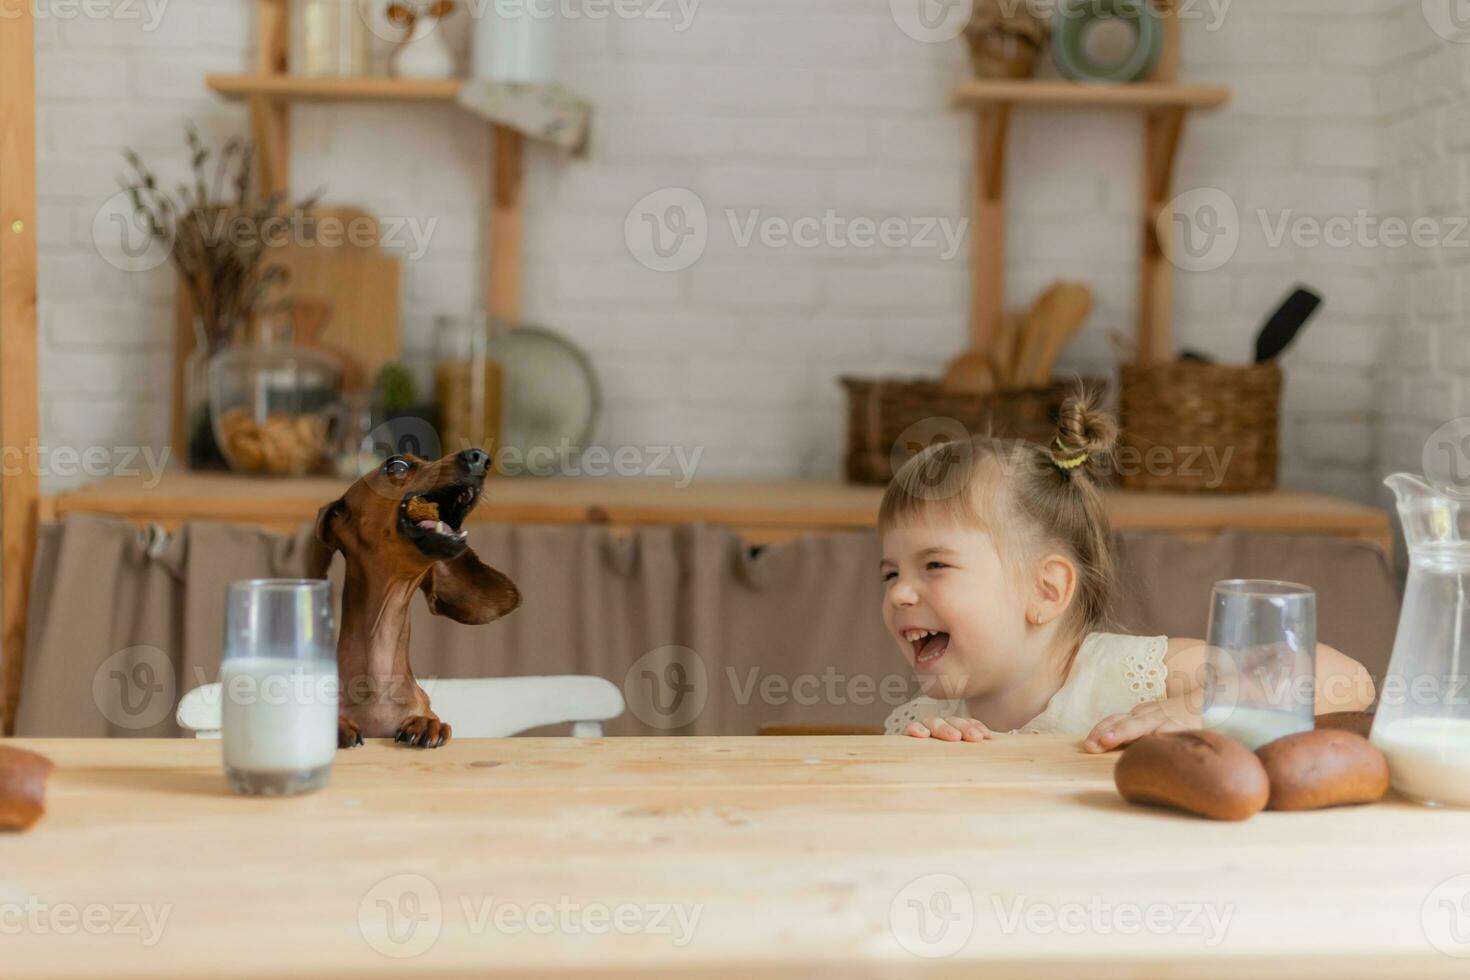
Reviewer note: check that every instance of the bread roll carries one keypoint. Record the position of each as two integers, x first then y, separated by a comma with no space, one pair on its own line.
1326,767
1205,773
22,787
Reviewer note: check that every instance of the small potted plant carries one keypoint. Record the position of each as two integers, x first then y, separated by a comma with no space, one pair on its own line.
1005,38
409,425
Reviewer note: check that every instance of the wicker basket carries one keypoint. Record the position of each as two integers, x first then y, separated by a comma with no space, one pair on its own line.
1200,428
889,420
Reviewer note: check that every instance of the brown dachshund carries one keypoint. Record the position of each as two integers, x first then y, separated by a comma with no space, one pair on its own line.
399,530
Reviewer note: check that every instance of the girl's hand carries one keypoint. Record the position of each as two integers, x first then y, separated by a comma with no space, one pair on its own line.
1177,714
950,730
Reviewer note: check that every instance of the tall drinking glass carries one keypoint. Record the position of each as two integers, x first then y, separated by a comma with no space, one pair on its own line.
1260,666
279,686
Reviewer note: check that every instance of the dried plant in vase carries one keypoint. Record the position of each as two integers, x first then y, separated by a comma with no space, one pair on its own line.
217,231
1005,37
418,55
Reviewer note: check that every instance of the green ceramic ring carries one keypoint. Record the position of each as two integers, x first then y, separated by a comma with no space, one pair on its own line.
1071,22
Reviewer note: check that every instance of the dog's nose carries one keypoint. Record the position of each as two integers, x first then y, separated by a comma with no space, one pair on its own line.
475,461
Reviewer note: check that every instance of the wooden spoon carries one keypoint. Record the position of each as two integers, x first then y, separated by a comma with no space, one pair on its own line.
1053,322
969,374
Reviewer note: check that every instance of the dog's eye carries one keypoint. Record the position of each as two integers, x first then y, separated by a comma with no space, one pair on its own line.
397,466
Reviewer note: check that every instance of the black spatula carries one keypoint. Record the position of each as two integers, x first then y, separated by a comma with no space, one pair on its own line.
1279,332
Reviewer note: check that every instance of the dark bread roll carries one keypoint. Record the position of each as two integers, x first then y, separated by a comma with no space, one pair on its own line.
1205,773
1357,722
1322,768
22,787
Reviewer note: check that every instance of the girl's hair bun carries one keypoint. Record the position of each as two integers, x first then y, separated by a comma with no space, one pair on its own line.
1086,435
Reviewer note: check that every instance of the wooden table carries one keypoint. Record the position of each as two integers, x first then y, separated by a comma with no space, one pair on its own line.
765,512
785,856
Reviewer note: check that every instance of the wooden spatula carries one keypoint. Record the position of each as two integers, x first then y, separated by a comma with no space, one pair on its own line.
1054,321
970,374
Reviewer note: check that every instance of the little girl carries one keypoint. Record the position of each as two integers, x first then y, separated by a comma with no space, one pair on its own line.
998,564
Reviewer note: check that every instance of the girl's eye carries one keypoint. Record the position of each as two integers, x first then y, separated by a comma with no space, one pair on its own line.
397,466
889,576
933,565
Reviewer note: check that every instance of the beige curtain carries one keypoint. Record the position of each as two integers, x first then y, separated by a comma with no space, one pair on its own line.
702,636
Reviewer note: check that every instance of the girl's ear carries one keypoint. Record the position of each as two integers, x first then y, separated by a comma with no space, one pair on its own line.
1055,586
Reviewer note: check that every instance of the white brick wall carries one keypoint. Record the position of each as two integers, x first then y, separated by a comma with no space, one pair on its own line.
1340,105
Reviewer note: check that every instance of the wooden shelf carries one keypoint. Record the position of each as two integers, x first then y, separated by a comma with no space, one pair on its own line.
765,512
376,89
1076,95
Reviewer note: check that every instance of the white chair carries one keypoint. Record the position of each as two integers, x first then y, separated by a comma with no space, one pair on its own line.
492,707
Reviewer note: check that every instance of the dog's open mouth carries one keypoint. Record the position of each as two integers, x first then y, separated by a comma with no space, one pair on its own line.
432,520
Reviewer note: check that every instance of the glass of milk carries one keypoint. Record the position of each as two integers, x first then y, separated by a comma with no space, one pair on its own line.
278,686
1261,662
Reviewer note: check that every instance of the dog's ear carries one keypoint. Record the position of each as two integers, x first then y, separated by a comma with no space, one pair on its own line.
469,591
324,541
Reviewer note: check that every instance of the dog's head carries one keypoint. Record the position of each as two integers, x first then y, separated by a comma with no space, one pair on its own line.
406,517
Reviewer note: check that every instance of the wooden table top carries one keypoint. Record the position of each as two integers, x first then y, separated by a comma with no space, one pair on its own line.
767,508
739,857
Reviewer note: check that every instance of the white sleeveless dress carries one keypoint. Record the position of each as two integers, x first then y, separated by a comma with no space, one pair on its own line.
1111,675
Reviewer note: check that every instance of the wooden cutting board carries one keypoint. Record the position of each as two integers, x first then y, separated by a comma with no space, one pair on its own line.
361,283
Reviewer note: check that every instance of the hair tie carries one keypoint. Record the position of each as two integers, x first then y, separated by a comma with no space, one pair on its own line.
1068,464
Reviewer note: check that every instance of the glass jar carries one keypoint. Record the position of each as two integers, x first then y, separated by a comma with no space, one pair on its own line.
201,450
272,402
329,39
468,384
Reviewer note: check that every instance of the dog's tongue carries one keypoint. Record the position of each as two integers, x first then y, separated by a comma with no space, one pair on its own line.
437,526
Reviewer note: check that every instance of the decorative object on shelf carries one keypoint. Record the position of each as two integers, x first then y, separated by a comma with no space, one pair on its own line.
213,229
424,51
468,382
543,112
1107,40
329,39
515,43
272,401
1023,353
407,423
1005,37
552,401
892,419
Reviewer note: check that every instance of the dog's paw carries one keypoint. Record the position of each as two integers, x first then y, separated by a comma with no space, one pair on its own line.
423,731
347,734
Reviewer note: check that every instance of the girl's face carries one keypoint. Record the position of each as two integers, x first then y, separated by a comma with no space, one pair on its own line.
954,609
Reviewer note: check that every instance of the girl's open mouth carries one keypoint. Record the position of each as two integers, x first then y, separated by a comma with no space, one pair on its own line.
928,645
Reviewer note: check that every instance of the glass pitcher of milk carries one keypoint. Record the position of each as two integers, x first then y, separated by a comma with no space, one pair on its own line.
278,686
1423,720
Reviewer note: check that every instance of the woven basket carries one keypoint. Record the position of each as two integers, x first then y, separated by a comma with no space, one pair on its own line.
1200,428
890,420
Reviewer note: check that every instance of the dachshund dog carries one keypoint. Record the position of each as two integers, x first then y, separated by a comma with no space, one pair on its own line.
399,530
